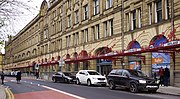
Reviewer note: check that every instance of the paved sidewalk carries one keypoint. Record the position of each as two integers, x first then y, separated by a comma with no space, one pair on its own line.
2,93
169,90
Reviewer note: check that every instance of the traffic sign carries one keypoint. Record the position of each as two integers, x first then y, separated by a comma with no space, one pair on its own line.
37,66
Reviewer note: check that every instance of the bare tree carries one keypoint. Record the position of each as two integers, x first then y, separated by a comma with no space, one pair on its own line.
11,10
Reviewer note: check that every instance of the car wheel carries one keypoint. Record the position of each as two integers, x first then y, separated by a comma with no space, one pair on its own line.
78,82
66,81
54,80
133,88
112,85
89,82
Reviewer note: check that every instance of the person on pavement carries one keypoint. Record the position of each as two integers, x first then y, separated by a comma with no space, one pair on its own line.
37,75
166,76
2,77
18,77
161,74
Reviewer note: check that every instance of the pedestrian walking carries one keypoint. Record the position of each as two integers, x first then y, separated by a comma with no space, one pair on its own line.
161,74
37,75
2,77
18,77
166,76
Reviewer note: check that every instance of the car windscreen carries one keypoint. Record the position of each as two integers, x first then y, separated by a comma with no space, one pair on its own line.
67,74
93,73
137,73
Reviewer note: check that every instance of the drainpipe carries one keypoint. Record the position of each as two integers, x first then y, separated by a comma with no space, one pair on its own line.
122,29
172,28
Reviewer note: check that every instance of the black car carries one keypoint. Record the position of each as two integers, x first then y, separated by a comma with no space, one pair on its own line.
133,80
66,77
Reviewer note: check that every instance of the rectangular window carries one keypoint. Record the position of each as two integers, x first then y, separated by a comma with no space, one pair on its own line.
111,27
105,29
77,16
159,10
93,31
69,21
150,13
86,34
109,4
85,12
74,39
60,43
54,14
61,9
66,41
134,20
45,34
60,25
127,22
69,3
69,41
139,17
167,9
83,36
97,32
77,38
96,7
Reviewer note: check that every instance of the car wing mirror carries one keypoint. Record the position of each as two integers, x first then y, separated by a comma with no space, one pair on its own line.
127,76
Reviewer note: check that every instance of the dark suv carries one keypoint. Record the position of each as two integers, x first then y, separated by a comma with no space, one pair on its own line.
134,80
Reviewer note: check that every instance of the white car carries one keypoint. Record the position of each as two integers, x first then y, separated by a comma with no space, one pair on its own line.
90,77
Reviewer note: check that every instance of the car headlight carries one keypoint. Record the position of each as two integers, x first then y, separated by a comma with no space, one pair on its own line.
158,81
94,78
69,78
142,81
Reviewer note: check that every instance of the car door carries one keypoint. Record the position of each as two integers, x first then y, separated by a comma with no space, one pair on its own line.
57,76
118,77
86,76
80,76
125,78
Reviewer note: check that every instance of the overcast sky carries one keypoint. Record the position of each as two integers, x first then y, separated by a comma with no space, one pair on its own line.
21,21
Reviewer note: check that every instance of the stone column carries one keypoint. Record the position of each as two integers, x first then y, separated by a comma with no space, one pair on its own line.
163,9
153,12
147,67
90,9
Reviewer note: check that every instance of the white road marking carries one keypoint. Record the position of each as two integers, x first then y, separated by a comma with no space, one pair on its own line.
69,94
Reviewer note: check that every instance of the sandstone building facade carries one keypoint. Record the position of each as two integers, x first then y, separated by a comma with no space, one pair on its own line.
67,28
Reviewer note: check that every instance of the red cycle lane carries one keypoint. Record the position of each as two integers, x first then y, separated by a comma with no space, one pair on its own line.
48,94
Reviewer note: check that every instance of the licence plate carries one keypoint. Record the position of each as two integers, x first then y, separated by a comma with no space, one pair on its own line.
151,86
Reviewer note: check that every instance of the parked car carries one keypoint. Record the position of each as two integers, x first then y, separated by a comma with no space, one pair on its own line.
90,77
67,77
133,80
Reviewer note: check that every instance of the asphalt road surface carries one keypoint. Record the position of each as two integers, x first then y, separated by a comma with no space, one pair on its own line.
38,89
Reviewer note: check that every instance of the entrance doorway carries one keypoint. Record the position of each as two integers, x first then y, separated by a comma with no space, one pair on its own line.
104,69
160,60
104,66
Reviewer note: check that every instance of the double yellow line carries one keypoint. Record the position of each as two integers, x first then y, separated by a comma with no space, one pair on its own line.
9,94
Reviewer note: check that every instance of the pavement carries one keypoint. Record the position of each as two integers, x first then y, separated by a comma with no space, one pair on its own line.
170,90
2,92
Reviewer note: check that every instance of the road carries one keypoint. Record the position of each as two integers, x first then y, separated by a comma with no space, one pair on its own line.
38,89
